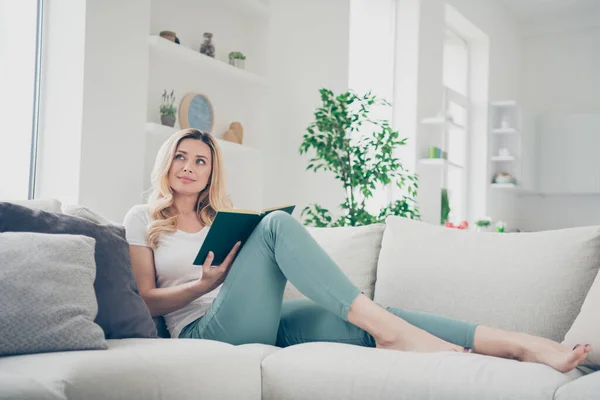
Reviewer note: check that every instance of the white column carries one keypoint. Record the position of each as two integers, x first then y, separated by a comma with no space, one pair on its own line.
418,90
95,83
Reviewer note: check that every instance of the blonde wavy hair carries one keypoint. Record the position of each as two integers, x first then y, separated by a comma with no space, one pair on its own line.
210,200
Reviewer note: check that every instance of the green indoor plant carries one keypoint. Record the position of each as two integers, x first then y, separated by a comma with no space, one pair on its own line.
237,59
168,109
445,212
483,224
359,151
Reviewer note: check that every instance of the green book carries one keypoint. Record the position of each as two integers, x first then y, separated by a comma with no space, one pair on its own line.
229,227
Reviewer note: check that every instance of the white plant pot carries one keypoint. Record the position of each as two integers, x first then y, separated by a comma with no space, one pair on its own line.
236,62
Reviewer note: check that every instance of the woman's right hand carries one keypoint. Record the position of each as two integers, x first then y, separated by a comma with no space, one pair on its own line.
213,276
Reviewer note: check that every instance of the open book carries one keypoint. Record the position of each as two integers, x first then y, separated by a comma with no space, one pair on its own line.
229,227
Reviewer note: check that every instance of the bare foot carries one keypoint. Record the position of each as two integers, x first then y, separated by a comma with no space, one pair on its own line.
548,352
410,338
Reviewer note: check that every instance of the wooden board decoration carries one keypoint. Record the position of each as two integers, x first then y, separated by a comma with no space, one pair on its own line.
196,111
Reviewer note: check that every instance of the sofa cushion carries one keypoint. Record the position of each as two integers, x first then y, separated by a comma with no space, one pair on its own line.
147,369
587,387
121,311
15,386
529,282
47,293
354,249
86,213
341,371
586,328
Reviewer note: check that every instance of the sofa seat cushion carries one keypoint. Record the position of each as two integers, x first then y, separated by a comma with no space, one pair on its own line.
584,388
341,371
143,369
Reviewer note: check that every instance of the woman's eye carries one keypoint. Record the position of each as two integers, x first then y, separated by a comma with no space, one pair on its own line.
179,156
198,161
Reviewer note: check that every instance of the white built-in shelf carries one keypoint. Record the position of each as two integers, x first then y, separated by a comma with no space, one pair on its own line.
438,161
503,158
508,186
163,131
506,103
180,54
504,131
441,121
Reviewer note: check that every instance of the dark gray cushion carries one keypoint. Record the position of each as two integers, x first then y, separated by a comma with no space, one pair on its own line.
47,294
121,311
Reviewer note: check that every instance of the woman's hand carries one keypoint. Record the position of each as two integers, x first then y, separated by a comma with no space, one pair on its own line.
213,276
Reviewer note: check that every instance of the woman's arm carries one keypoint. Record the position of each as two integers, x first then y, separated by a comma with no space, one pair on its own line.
161,301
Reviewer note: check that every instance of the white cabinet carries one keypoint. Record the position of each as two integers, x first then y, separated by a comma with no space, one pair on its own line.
569,154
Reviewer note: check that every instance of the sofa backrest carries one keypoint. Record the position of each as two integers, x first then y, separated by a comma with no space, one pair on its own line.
529,282
354,249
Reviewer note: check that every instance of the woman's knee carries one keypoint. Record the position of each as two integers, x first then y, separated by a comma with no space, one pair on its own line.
275,220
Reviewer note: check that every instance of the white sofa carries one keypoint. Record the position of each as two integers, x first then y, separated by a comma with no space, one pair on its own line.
476,276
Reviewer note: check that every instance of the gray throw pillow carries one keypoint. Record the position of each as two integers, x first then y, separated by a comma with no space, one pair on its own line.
47,294
122,312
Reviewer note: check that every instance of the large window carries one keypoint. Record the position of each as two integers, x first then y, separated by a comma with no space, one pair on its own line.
20,45
456,78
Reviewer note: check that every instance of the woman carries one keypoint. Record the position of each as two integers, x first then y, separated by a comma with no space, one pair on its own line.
241,301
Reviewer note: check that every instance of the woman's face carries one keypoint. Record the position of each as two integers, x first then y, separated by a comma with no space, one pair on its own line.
191,167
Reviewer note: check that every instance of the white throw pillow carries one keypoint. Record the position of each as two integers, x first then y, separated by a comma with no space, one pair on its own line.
528,282
354,249
586,328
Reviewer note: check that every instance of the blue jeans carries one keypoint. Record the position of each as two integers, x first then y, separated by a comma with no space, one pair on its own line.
250,308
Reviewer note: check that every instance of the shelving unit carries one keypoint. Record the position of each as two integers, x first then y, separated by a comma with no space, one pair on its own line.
442,127
442,121
163,132
511,129
439,162
177,53
503,158
234,94
504,131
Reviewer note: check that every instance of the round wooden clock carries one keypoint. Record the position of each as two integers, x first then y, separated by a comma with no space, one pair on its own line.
196,111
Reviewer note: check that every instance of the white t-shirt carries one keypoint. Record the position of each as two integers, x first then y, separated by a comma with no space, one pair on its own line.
173,262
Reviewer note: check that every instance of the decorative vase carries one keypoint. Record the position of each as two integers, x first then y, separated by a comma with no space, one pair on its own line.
505,123
207,47
169,36
168,120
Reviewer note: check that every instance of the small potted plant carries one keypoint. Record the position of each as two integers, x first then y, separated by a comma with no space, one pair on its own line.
483,224
168,109
237,59
500,226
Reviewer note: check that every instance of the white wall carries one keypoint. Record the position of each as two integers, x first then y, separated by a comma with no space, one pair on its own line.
504,84
17,44
307,51
95,85
560,76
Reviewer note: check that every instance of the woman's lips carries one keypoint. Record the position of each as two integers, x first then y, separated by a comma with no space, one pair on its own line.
186,180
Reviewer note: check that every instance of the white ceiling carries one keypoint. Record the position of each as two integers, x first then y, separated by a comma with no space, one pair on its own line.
544,10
